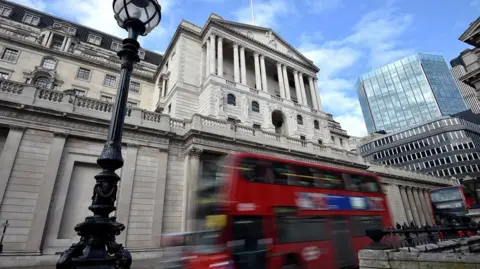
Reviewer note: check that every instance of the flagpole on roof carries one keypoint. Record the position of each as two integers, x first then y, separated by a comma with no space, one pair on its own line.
253,13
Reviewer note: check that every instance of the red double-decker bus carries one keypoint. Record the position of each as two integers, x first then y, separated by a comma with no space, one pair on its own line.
451,203
275,213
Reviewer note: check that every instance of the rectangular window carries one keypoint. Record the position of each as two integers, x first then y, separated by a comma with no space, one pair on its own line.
31,19
256,126
135,87
132,104
83,74
302,137
10,55
341,141
116,46
4,75
5,11
106,98
110,81
169,108
57,45
94,39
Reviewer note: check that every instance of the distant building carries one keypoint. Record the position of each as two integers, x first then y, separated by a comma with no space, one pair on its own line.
408,92
468,93
445,147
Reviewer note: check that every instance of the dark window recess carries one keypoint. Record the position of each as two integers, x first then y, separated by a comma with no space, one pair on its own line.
320,142
302,229
255,106
316,124
302,137
361,223
299,120
256,126
231,99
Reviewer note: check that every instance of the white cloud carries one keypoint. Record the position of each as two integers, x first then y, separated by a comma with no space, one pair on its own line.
266,13
374,41
36,4
320,6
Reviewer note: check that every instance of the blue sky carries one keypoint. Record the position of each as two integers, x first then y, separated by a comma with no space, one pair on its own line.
345,38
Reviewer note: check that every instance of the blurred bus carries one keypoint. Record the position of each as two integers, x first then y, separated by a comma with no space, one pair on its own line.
451,204
265,212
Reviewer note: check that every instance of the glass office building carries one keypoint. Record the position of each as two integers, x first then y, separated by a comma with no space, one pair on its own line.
409,91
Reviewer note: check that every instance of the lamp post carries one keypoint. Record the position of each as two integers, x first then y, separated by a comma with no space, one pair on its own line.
97,247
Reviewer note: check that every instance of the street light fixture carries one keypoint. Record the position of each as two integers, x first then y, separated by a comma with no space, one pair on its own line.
97,247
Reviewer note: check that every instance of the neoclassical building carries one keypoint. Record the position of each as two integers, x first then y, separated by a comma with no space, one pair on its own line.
218,89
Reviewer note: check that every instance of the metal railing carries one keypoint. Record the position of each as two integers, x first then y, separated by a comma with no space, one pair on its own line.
411,236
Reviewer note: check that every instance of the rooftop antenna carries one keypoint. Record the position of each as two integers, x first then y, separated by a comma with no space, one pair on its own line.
253,13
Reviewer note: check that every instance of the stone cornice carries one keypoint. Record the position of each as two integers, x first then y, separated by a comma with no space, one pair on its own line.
70,55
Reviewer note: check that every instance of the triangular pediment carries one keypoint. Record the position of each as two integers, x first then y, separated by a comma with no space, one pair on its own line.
473,30
267,37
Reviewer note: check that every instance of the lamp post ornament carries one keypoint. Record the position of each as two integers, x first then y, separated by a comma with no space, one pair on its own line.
97,247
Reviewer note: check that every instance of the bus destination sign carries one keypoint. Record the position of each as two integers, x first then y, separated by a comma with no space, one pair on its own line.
321,201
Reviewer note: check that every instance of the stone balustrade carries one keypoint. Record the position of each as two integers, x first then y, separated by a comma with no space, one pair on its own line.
28,95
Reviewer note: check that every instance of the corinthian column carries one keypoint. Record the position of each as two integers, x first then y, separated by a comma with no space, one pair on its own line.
413,206
317,94
207,59
280,80
263,73
243,68
298,90
212,54
286,85
236,71
220,56
258,80
302,89
406,204
312,93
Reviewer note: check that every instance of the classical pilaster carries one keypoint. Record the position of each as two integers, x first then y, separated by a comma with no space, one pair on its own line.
281,89
236,67
317,94
207,59
192,169
243,68
258,80
50,40
406,204
312,93
64,43
302,89
395,203
126,188
418,203
159,198
426,198
298,90
286,85
212,54
164,84
44,197
220,56
423,203
413,206
8,155
263,72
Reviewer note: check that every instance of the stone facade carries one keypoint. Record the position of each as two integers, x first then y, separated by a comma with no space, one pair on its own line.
50,138
470,57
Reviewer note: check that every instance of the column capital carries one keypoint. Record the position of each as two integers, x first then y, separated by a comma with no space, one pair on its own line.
235,44
256,54
220,38
262,56
279,64
17,128
295,72
195,152
213,35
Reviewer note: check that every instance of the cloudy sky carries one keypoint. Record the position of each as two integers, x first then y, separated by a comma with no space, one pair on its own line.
345,38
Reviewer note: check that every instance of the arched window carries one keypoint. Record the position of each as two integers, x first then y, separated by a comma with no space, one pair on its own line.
255,106
299,120
49,63
231,99
316,124
43,82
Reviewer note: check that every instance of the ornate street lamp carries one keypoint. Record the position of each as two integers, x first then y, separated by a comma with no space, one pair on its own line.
97,247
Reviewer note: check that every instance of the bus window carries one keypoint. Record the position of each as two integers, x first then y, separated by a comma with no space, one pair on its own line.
301,229
304,177
326,179
282,172
255,170
361,223
360,183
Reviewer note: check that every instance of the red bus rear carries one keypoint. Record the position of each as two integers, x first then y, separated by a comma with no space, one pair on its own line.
281,213
450,203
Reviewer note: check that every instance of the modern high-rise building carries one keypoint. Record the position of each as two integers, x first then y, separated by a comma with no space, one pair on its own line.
407,92
468,92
